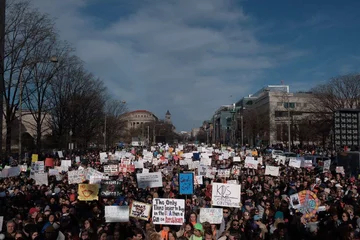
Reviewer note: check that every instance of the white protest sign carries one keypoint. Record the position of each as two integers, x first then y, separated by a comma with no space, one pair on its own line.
111,169
117,213
168,211
1,222
272,171
327,164
140,210
60,153
76,177
294,162
251,163
151,180
236,159
226,195
211,215
41,179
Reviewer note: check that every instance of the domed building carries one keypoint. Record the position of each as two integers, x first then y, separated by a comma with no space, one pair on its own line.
137,118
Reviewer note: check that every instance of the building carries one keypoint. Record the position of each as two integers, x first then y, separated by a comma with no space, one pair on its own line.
265,117
262,118
28,128
137,118
168,117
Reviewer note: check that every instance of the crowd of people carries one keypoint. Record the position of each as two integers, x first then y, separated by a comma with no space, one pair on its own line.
266,211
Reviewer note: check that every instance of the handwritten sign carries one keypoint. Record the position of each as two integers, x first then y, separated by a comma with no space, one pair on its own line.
226,195
309,203
168,211
75,177
151,180
186,183
140,210
211,215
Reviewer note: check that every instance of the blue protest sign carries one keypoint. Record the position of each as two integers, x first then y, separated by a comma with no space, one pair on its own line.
186,183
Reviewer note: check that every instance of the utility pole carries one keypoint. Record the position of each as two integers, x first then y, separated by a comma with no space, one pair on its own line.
242,130
2,80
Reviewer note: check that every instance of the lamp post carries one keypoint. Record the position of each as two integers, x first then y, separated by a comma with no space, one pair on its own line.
52,59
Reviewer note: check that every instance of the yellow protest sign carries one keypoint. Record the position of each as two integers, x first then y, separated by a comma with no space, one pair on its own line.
88,192
34,158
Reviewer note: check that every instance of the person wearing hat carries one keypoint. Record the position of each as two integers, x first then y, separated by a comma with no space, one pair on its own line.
198,232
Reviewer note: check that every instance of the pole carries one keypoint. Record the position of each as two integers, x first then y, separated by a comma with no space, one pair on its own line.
154,134
242,130
20,112
2,56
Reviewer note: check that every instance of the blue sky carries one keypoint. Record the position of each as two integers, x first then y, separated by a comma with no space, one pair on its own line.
191,56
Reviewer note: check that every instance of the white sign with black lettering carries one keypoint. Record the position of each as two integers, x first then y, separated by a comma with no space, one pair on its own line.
226,195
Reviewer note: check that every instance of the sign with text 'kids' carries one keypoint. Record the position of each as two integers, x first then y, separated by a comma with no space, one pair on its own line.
226,195
168,211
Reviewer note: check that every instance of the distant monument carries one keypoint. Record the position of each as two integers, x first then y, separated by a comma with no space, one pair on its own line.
168,117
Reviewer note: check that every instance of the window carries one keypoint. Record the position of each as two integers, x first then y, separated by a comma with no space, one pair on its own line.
305,105
279,104
298,104
289,105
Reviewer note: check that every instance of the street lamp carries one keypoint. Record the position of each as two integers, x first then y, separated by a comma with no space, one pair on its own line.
52,59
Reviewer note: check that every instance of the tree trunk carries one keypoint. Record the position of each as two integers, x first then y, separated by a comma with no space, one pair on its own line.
8,136
38,138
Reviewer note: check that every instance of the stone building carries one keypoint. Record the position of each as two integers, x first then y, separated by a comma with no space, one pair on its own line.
137,118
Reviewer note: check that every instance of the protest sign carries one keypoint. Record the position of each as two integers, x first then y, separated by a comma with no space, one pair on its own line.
75,177
140,210
34,158
151,180
116,213
88,192
110,188
111,169
211,215
186,183
168,211
41,178
226,195
272,171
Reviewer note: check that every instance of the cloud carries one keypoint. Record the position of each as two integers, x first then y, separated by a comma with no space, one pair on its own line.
186,56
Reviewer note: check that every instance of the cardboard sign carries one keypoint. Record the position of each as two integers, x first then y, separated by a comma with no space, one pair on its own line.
88,192
140,210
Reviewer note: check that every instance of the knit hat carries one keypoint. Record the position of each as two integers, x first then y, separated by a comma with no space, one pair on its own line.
199,227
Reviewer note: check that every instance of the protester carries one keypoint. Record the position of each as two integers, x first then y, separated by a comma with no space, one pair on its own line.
278,198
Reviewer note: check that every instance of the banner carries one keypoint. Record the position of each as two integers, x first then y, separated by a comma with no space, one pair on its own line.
111,188
151,180
88,192
140,210
186,183
211,215
168,211
226,195
116,214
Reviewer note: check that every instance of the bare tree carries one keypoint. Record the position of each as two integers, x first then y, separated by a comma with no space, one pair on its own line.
115,125
340,92
25,30
37,92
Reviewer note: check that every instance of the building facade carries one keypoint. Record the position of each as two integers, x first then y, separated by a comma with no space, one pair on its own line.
137,118
262,118
265,117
